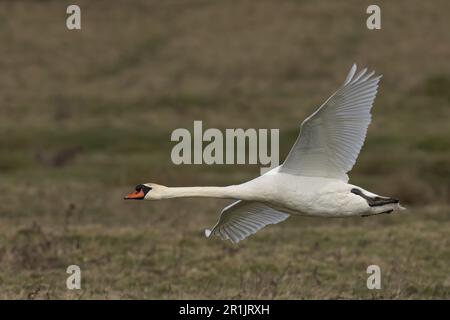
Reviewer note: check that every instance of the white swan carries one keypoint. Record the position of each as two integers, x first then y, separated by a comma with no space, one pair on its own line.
312,180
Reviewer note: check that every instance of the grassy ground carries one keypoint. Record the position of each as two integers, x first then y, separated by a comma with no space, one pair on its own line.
85,115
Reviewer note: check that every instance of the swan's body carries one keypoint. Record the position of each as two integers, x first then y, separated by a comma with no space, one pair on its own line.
308,196
313,179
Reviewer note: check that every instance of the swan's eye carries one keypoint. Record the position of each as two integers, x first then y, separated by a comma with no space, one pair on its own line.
143,187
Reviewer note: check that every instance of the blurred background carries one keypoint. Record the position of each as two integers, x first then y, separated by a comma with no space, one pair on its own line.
86,115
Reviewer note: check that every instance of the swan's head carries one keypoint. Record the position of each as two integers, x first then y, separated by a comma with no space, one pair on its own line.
147,191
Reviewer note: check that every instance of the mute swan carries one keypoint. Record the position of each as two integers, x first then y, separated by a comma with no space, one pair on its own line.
312,180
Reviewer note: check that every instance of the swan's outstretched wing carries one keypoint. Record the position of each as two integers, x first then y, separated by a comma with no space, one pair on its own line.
331,138
244,218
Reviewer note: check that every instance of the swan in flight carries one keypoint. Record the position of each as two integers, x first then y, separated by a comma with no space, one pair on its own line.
313,179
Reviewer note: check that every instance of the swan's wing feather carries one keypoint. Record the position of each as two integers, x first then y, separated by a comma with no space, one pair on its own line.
244,218
332,137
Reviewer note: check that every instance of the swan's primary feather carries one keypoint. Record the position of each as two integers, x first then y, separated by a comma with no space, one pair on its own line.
332,137
244,218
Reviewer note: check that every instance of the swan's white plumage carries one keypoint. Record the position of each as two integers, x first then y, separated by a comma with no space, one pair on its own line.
313,179
327,146
244,218
350,75
332,137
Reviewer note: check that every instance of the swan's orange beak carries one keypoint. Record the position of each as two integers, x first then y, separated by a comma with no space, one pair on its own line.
138,195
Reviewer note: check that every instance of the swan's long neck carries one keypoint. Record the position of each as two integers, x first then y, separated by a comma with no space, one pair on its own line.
229,192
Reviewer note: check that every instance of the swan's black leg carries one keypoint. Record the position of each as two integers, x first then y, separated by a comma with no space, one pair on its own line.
374,201
375,214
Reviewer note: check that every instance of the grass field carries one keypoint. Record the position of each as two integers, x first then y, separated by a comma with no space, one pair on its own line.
86,115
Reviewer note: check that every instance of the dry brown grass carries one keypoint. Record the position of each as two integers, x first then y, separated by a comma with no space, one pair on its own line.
86,115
